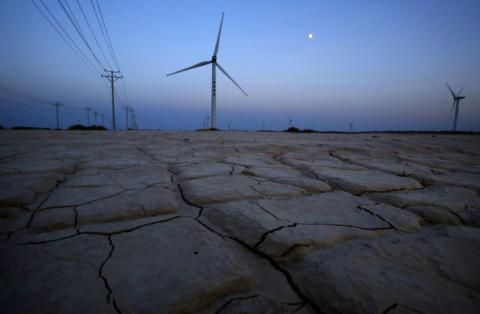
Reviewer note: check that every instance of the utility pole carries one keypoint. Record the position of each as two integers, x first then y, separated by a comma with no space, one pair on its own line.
102,115
95,117
56,105
112,77
88,115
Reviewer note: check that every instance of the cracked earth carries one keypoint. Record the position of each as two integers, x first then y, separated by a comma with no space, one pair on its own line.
231,222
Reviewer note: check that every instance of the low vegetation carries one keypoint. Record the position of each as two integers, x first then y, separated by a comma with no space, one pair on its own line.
82,127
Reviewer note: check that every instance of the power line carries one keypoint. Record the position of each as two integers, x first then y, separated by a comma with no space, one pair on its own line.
93,34
70,42
16,102
124,89
65,37
68,36
75,24
114,56
24,95
100,26
127,111
64,34
80,32
67,5
106,36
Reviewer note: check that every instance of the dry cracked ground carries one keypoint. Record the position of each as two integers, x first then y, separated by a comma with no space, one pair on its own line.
231,222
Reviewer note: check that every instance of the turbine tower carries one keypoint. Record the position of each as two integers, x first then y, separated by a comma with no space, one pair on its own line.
215,64
456,104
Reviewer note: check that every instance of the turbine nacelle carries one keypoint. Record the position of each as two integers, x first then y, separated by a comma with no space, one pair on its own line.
455,95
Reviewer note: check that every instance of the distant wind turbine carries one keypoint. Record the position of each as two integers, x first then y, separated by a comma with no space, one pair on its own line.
456,103
215,64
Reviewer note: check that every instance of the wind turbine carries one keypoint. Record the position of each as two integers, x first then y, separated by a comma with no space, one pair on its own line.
215,64
456,104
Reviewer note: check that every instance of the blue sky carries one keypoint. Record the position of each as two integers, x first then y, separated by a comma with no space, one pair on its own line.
376,63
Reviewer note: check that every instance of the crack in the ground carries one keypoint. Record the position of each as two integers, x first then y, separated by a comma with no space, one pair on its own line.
391,190
265,234
226,304
197,219
185,199
122,167
351,162
200,208
267,211
272,262
299,308
286,274
395,305
458,216
79,233
293,247
110,299
257,191
75,210
306,171
134,228
116,182
293,225
73,235
11,233
29,223
143,210
90,202
378,216
332,184
231,171
146,154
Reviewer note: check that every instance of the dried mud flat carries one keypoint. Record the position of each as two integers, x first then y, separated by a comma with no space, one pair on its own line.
231,222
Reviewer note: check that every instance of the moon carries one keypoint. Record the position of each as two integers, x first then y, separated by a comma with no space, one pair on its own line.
310,36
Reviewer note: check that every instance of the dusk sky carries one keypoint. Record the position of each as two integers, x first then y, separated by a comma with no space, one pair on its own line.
377,63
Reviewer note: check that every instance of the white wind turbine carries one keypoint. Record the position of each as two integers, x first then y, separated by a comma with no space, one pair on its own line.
215,64
456,104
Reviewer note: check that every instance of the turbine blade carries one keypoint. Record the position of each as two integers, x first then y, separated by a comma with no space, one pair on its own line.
461,90
231,79
218,37
451,91
201,64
